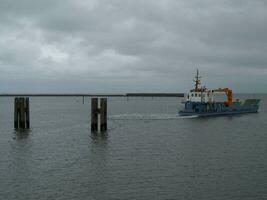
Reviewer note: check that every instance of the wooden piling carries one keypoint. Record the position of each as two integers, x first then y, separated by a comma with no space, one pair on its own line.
103,114
98,113
21,113
16,116
27,112
94,113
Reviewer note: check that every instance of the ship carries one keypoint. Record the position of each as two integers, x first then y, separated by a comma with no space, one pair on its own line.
200,101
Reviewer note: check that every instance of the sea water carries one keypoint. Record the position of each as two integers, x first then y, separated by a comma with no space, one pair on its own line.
148,152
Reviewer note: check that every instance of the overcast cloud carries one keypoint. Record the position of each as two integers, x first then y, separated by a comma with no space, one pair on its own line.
132,45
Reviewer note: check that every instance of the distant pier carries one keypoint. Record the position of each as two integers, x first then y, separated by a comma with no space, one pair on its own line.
92,95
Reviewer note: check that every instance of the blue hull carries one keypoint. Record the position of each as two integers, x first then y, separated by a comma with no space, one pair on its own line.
206,114
218,108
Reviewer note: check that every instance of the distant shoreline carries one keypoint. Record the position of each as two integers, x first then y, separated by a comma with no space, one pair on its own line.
93,95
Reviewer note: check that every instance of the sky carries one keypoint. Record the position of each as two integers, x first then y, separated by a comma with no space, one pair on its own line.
132,45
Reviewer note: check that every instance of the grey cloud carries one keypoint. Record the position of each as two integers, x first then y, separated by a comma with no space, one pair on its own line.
145,41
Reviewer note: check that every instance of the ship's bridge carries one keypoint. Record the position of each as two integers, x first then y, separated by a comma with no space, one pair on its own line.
199,96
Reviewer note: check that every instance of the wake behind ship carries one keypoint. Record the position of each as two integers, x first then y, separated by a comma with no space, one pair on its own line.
200,102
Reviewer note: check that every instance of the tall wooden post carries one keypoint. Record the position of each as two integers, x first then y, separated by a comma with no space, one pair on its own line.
21,113
96,111
16,114
103,114
27,112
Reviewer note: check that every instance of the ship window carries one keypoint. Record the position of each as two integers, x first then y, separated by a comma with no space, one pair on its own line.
199,95
196,95
192,95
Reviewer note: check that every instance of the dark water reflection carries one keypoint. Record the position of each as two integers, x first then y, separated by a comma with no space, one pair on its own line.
21,133
95,136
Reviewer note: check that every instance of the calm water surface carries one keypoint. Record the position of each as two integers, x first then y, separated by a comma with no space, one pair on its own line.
148,152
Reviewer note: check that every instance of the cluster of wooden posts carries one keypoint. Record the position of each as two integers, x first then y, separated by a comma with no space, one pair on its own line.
22,113
98,114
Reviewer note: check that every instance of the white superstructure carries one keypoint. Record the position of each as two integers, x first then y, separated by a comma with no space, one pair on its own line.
199,96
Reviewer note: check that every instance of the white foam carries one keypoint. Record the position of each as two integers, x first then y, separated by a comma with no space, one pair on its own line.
157,116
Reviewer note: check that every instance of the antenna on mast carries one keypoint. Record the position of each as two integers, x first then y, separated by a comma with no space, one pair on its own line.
197,81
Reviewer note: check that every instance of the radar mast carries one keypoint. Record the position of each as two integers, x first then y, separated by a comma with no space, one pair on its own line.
197,82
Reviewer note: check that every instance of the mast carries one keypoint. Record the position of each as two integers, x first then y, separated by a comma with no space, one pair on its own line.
197,81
